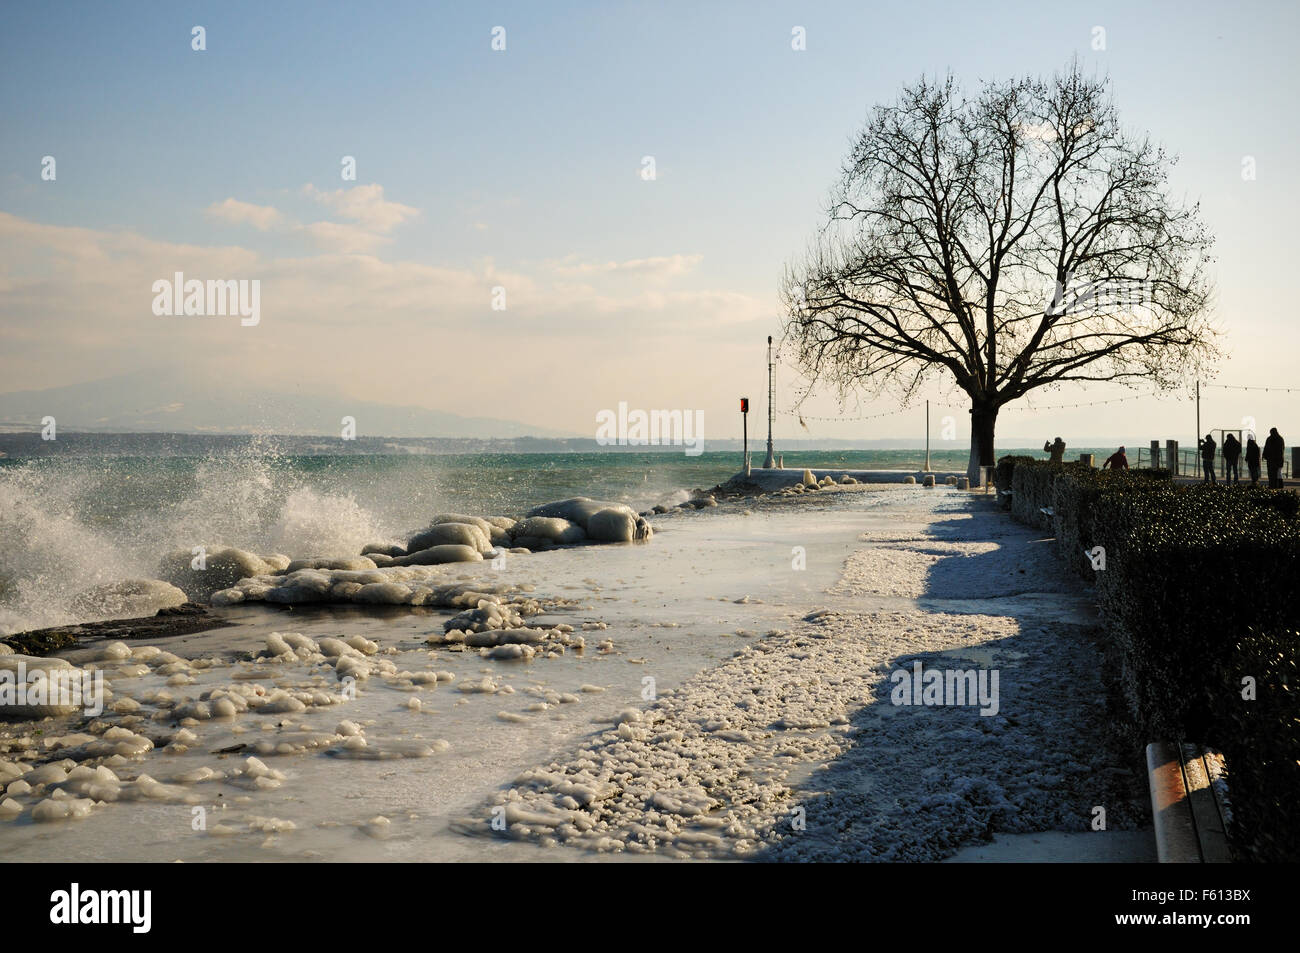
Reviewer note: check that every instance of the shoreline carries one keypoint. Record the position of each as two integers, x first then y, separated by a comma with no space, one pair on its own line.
683,615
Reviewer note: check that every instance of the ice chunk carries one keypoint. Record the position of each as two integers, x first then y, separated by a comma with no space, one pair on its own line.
549,528
324,562
448,553
612,526
223,566
130,598
452,534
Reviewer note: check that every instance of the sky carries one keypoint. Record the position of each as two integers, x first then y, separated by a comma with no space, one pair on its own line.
523,169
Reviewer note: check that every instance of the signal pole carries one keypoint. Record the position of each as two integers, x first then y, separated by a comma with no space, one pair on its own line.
770,462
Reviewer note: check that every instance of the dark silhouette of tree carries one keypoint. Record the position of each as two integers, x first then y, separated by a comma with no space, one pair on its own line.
1015,240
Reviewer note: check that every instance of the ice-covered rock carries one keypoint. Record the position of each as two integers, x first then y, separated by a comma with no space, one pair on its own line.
442,553
452,534
536,531
612,526
222,567
129,598
50,686
325,562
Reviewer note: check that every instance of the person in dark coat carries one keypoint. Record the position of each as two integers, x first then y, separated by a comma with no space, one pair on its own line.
1231,456
1116,461
1252,459
1274,448
1056,449
1208,446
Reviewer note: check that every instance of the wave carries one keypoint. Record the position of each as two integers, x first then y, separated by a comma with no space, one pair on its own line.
67,524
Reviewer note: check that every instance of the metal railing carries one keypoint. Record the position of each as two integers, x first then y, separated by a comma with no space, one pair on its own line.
1189,464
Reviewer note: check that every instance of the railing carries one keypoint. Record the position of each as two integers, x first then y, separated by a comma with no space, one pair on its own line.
1189,464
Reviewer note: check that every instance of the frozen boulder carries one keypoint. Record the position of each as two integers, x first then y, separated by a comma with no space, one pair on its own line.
612,526
215,568
481,523
305,585
128,599
384,549
51,686
552,529
325,562
443,553
450,534
578,510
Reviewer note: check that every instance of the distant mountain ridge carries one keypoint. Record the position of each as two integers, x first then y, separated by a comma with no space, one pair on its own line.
173,402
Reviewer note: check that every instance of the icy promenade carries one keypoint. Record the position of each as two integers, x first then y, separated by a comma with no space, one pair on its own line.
736,699
819,743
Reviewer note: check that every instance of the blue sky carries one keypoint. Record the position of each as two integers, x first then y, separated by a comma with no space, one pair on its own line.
521,168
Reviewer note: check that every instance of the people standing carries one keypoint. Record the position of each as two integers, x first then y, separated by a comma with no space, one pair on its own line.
1056,449
1208,446
1252,459
1274,448
1231,456
1116,461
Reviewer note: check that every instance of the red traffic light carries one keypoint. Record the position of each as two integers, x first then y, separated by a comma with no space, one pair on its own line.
744,405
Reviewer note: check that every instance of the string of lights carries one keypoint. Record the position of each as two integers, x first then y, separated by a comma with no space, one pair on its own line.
1031,408
1268,389
1089,403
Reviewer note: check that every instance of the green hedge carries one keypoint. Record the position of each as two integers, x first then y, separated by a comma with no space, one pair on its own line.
1003,476
1198,593
1258,739
1032,486
1075,494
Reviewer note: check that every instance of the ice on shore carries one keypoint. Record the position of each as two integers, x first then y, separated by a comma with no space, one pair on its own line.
200,574
129,598
46,689
466,535
603,522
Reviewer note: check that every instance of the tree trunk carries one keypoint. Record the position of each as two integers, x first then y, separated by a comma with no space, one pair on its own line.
982,423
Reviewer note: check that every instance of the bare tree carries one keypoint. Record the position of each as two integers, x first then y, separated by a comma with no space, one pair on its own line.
1014,240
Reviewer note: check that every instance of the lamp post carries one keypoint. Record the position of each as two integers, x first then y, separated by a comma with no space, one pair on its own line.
769,462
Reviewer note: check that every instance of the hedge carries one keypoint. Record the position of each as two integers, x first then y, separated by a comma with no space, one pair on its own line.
1006,466
1032,483
1198,593
1075,494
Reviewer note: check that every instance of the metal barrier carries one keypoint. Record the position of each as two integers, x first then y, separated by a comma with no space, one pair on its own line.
1189,465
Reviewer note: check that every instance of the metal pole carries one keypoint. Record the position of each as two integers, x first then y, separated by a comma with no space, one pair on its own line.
927,436
1198,418
745,425
770,462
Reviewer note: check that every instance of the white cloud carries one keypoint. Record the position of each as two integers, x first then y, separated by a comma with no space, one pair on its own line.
78,308
341,237
662,267
234,212
365,205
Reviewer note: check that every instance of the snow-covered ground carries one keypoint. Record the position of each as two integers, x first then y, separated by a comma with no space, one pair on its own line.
732,699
